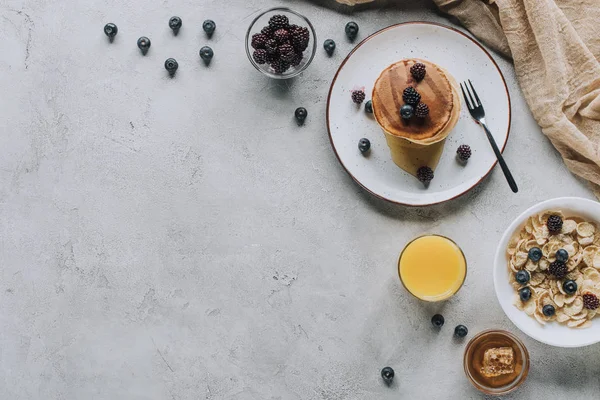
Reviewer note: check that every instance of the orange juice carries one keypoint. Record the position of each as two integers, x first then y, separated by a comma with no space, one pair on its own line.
432,268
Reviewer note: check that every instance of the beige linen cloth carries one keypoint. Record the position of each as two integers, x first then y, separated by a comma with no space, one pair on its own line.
555,47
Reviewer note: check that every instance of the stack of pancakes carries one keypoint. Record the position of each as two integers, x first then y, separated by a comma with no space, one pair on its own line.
416,142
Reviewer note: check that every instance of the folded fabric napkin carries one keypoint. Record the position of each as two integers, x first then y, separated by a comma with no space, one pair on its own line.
555,47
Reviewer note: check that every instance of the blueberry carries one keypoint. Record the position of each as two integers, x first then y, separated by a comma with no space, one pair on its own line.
548,310
522,277
535,254
144,44
406,111
329,46
351,30
209,27
300,115
387,374
364,145
175,24
525,294
111,30
461,331
437,320
570,287
562,255
206,53
369,107
171,65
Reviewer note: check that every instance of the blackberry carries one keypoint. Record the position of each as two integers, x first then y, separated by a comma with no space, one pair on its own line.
271,46
558,269
464,153
358,96
418,71
351,30
421,110
209,27
175,24
259,41
286,52
590,301
260,56
407,111
278,22
144,44
554,223
297,59
369,107
329,46
267,31
281,35
111,30
272,57
411,96
300,38
280,66
425,174
171,66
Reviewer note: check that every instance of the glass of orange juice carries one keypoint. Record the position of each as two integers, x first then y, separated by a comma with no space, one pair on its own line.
432,268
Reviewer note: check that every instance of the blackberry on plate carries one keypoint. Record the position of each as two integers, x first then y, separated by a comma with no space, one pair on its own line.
280,66
411,96
461,331
111,30
358,96
351,30
175,24
535,254
437,320
548,310
387,374
425,174
525,294
364,145
271,46
407,111
570,287
422,110
286,52
281,35
259,41
369,107
329,46
562,255
418,71
209,27
260,56
300,115
278,21
590,301
464,152
522,277
558,269
206,54
554,223
144,44
171,65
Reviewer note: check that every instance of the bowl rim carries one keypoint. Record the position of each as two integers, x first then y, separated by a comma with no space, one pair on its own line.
500,267
283,10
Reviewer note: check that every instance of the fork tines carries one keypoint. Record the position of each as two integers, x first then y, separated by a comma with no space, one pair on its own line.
474,102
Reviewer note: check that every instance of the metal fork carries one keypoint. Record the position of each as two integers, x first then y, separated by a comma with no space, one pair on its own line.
478,114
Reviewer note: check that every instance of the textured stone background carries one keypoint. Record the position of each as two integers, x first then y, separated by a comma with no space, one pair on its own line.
184,239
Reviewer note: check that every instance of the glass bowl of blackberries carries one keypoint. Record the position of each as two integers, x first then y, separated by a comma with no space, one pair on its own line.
281,43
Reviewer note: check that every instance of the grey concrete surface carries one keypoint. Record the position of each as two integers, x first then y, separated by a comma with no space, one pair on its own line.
183,239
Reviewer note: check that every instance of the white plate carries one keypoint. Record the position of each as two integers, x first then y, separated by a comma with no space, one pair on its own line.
465,59
553,334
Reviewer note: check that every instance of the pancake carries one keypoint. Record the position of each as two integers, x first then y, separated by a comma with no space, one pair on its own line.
436,90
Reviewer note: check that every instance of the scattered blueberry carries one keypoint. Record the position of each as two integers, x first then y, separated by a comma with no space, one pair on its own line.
206,54
525,294
406,111
522,277
364,145
562,255
387,374
369,107
437,320
570,287
461,331
548,310
535,254
300,115
209,27
111,30
329,46
175,24
144,44
171,65
351,30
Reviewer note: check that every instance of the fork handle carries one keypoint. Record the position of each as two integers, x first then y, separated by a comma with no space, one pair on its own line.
507,174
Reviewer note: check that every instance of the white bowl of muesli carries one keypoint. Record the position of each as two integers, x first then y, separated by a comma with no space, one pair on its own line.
547,272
